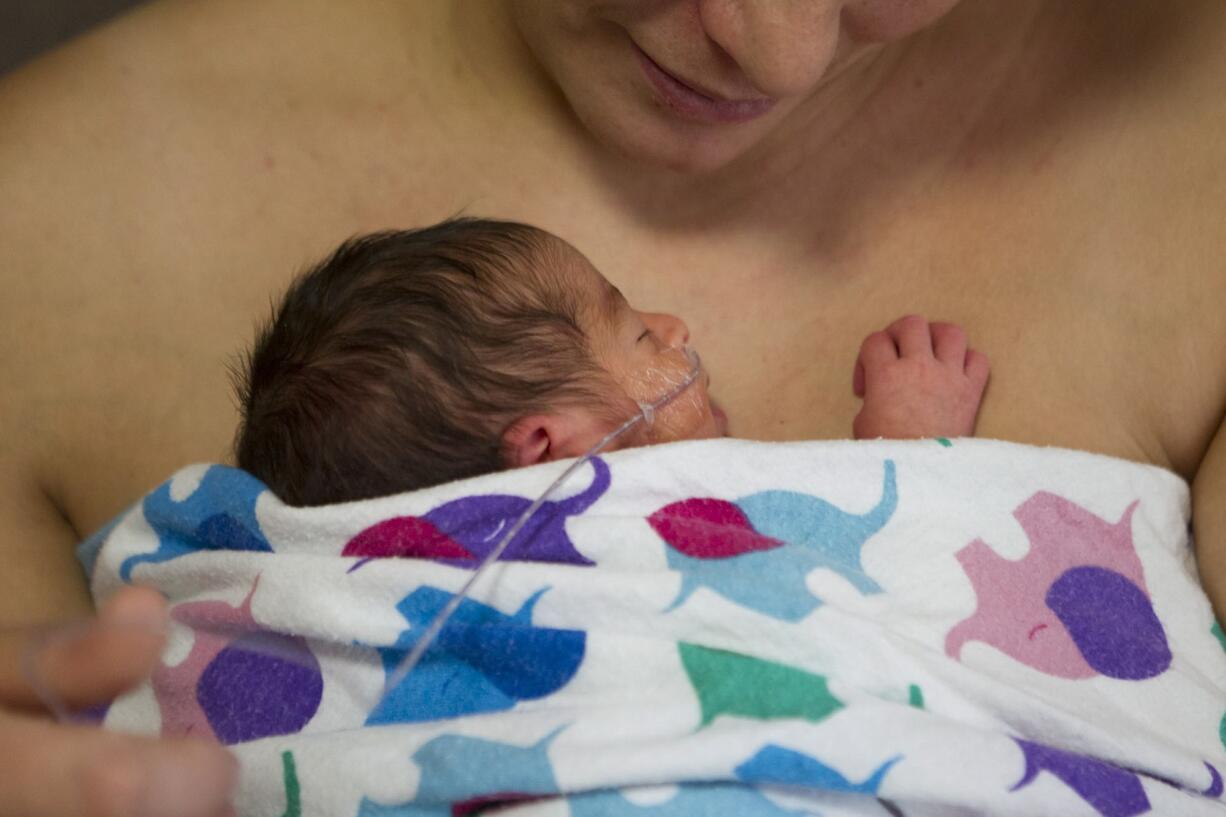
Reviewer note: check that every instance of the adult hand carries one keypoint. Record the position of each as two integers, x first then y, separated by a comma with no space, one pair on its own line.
58,770
918,380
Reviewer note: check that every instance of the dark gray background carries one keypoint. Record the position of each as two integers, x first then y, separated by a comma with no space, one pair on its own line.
29,27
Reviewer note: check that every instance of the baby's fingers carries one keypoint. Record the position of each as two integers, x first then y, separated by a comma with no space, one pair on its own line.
949,343
977,368
878,349
912,335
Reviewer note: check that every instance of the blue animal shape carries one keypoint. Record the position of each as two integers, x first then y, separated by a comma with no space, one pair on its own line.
218,515
691,800
460,774
758,550
786,767
482,661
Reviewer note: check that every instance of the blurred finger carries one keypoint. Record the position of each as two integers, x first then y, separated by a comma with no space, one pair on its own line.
911,335
53,770
948,342
857,380
85,662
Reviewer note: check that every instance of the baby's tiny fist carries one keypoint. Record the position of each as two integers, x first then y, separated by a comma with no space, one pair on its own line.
918,380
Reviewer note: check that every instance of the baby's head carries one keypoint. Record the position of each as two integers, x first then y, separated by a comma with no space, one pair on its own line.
411,358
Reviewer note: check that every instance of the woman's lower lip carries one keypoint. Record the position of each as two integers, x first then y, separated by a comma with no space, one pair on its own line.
684,100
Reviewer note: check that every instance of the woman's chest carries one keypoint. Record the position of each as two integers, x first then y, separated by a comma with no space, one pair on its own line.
1091,320
1095,344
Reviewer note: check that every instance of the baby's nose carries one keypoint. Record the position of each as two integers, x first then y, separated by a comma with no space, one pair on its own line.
668,328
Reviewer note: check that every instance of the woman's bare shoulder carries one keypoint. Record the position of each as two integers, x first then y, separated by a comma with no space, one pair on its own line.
1178,146
1160,112
1180,54
162,180
182,64
169,111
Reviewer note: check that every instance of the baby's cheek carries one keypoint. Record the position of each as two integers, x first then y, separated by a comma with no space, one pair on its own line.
685,414
682,419
650,383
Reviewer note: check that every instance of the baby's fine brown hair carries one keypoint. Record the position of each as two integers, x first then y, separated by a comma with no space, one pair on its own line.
399,361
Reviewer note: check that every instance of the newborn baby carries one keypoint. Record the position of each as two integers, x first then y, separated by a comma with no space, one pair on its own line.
412,358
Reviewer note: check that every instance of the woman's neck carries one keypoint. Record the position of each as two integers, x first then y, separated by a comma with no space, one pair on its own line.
885,117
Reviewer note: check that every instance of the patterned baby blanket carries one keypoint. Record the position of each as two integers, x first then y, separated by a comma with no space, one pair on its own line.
709,628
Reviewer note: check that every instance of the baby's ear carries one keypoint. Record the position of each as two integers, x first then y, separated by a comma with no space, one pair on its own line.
526,441
547,437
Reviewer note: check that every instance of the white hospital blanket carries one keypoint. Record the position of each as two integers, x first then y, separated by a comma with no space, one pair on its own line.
705,628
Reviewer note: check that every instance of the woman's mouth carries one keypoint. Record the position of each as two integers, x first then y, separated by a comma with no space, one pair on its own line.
690,103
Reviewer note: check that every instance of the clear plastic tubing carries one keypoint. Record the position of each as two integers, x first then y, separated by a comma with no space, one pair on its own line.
646,414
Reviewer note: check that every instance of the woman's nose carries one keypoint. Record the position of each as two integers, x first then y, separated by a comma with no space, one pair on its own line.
782,46
668,328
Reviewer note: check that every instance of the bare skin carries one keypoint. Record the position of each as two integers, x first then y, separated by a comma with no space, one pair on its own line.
1045,173
1048,178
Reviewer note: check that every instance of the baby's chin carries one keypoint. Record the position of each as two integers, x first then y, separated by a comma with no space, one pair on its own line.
721,420
713,427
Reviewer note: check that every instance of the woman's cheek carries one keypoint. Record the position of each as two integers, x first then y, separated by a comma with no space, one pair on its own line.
883,21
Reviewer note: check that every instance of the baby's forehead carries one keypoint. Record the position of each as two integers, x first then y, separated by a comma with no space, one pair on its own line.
575,275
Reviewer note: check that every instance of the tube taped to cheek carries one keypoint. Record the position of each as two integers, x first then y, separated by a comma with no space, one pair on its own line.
670,373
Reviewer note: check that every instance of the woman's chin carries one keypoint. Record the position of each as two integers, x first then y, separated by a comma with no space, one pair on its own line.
659,139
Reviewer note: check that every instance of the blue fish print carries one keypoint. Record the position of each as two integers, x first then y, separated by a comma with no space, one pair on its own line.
786,767
459,774
482,661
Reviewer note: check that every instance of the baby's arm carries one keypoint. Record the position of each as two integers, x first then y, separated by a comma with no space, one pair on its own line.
918,380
